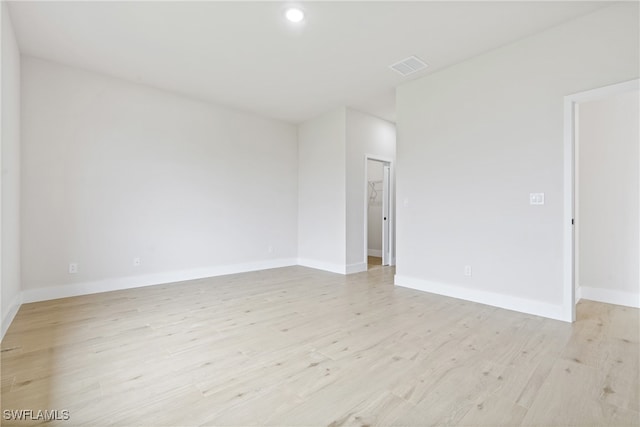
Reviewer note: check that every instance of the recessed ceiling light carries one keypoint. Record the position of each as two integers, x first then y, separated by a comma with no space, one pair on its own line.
294,15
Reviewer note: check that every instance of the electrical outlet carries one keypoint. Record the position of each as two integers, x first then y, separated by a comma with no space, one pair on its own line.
136,262
73,268
467,270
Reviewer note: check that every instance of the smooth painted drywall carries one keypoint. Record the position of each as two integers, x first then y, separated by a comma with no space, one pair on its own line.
475,139
366,134
331,186
10,147
113,170
607,215
321,191
374,207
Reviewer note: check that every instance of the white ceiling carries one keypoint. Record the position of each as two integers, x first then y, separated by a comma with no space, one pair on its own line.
246,55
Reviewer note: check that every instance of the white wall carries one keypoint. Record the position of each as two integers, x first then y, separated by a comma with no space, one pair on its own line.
321,191
476,138
331,186
608,213
366,134
10,149
374,215
113,170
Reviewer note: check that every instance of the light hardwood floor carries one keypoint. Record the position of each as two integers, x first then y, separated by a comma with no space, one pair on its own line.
374,262
301,347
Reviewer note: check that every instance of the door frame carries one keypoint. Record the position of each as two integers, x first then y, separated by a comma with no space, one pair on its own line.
386,214
391,198
571,185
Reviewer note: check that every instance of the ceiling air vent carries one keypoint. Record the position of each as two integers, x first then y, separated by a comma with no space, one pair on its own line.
408,66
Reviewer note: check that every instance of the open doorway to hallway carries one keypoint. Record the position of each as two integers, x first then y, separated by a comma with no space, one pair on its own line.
606,244
602,193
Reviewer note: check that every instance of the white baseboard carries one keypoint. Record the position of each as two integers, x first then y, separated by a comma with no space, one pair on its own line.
608,296
333,268
375,252
10,314
115,284
356,268
508,302
321,265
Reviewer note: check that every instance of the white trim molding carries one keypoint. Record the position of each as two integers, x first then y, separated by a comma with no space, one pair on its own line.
609,296
578,293
11,314
129,282
522,305
356,268
322,265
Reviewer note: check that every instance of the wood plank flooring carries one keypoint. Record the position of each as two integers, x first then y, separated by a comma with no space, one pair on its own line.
374,262
301,347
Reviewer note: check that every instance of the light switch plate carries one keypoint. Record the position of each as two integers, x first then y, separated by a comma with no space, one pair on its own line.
536,198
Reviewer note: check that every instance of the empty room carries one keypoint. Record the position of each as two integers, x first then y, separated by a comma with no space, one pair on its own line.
320,213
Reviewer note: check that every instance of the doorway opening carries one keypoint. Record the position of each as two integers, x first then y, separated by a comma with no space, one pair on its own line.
602,193
378,213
